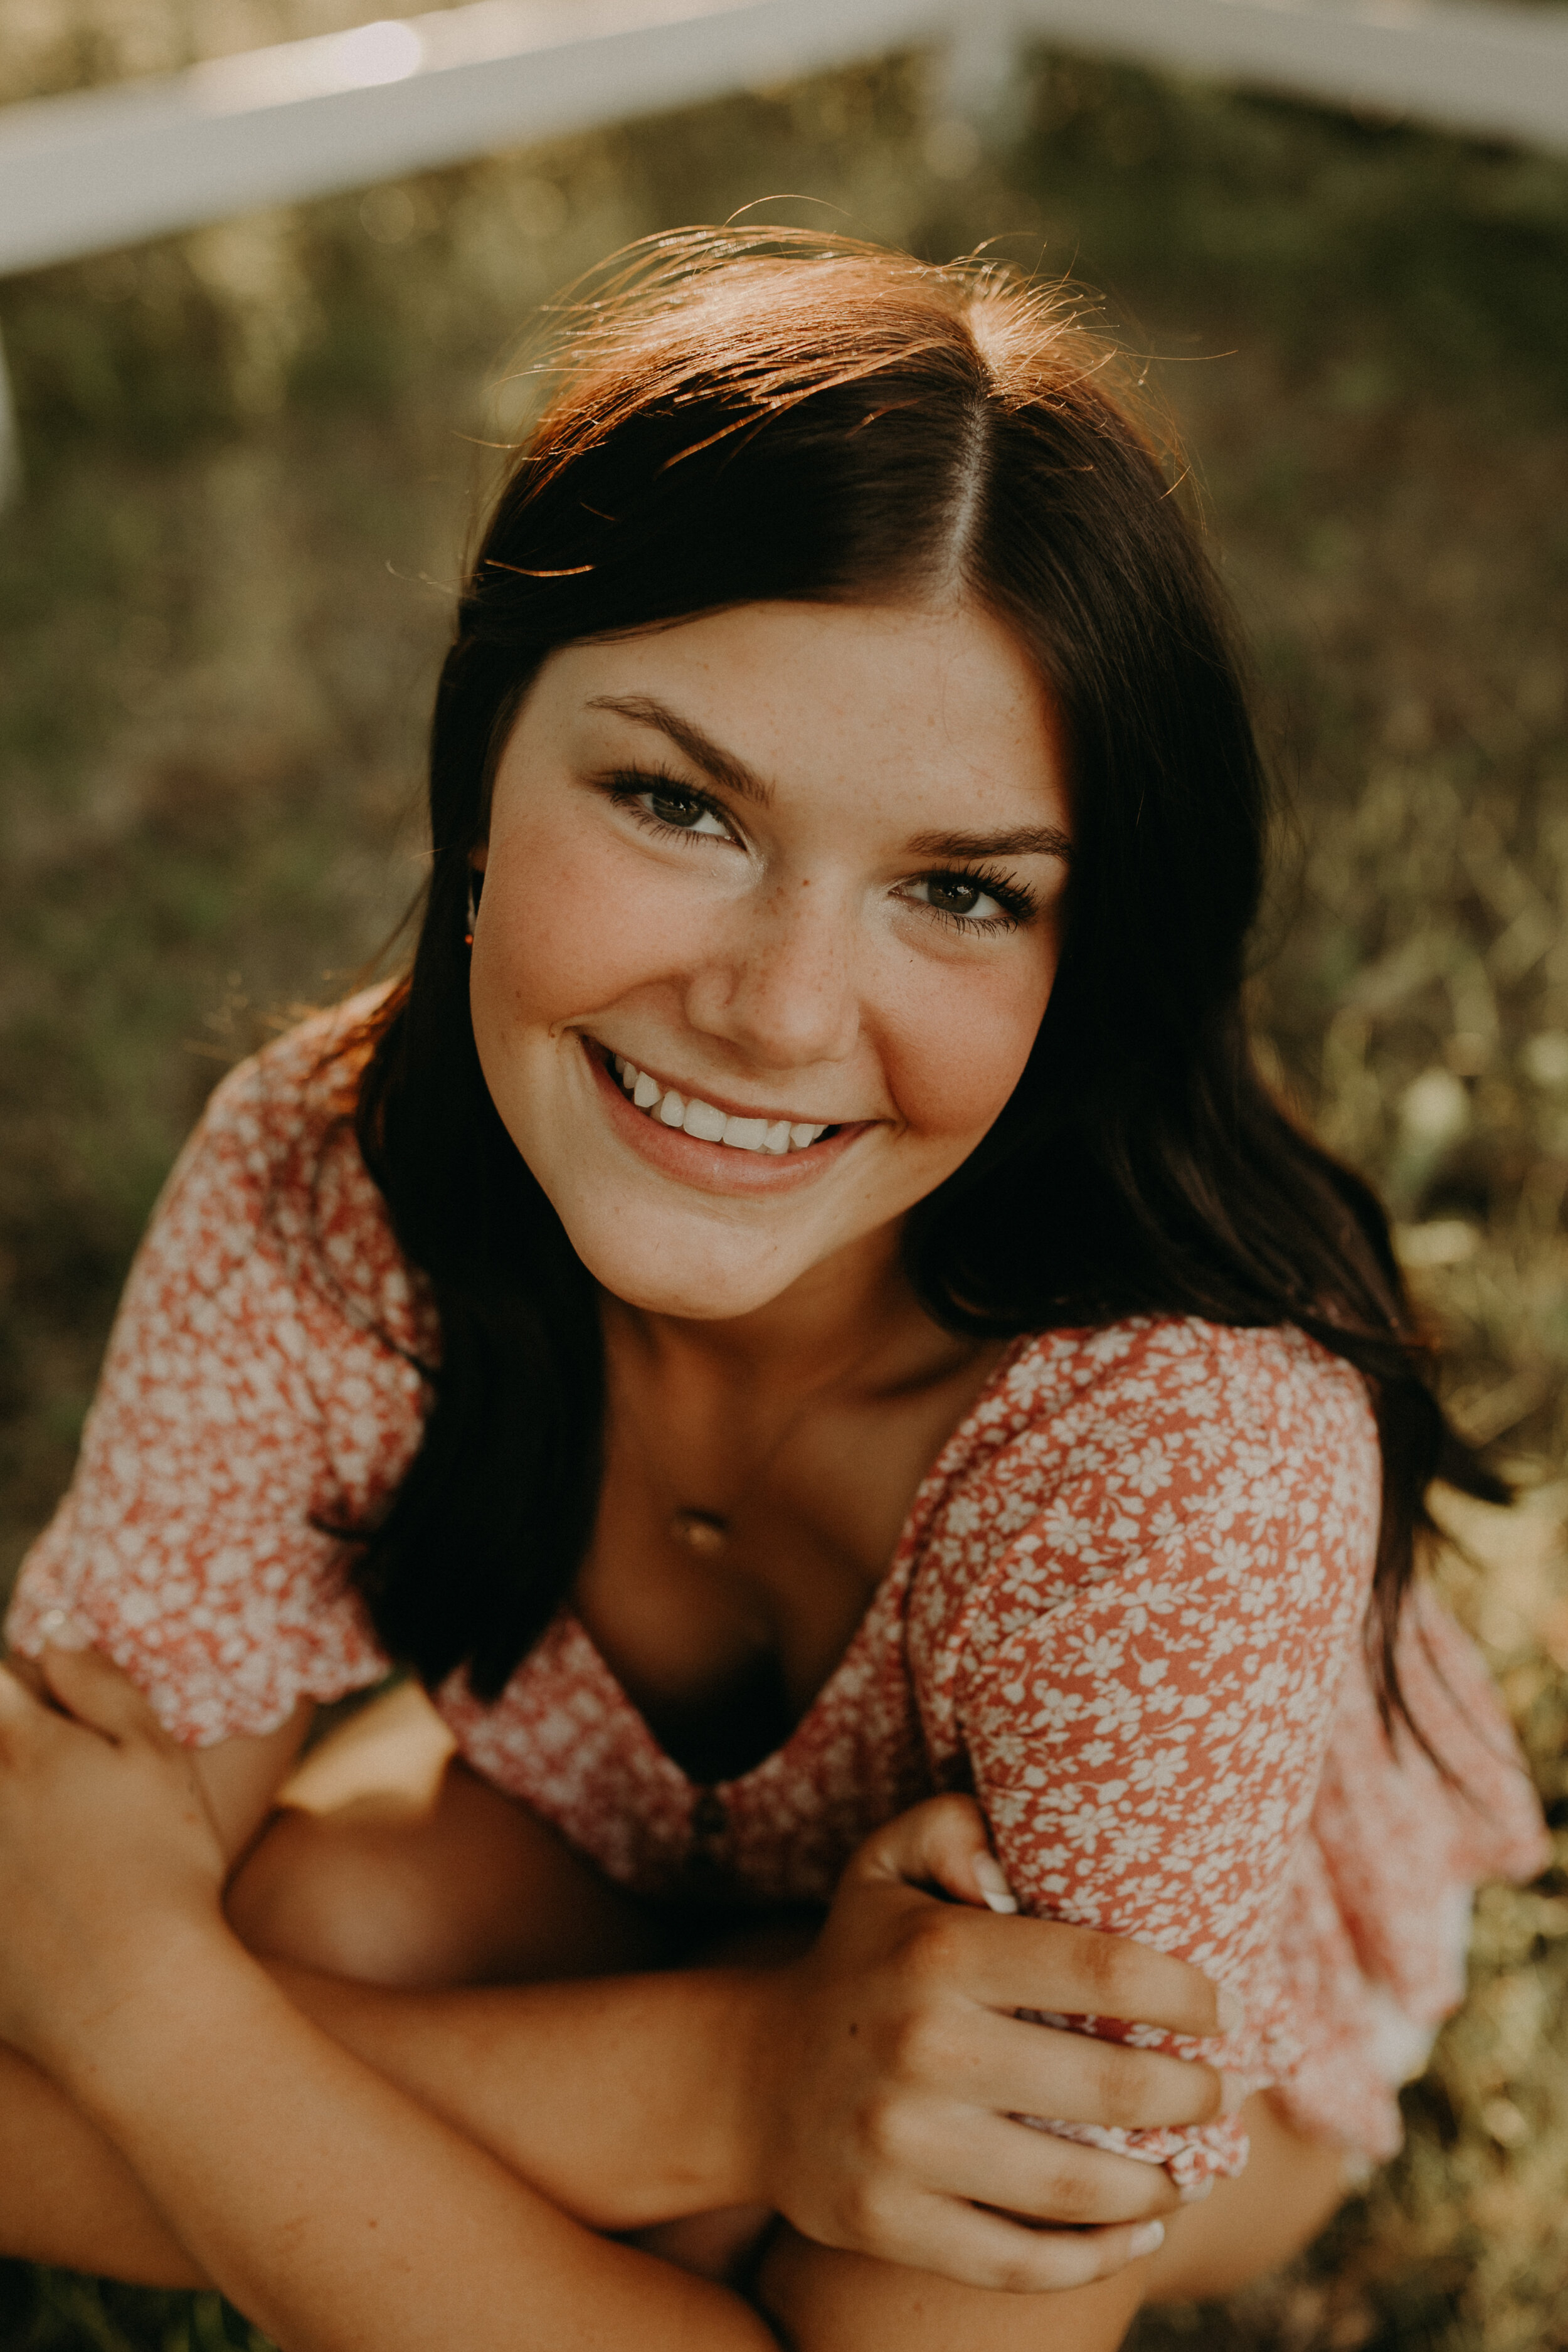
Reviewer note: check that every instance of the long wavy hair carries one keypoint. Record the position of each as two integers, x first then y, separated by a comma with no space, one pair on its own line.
735,420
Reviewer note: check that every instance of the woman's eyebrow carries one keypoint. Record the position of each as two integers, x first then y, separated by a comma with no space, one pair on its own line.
1023,841
647,710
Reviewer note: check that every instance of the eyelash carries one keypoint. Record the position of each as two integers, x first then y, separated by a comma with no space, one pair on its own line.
627,787
1017,904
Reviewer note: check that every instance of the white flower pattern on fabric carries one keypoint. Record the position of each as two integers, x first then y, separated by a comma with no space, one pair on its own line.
1125,1610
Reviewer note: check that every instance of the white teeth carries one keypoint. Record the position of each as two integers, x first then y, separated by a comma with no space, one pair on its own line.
704,1122
710,1126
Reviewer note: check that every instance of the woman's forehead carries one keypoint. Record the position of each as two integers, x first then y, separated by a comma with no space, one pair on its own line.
772,700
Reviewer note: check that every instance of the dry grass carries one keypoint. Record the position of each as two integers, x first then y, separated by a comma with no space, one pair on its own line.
222,604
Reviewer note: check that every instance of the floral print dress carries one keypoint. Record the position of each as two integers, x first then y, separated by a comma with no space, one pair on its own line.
1125,1610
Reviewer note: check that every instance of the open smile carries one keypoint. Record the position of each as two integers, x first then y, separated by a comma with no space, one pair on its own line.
706,1122
704,1143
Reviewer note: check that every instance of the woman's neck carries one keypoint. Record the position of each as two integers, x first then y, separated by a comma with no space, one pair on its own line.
852,1319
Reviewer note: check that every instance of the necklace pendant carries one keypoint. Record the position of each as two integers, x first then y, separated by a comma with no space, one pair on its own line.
703,1532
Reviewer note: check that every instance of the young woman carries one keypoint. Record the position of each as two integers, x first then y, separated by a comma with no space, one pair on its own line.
800,1321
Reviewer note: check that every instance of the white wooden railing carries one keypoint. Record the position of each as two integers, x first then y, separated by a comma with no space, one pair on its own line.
106,167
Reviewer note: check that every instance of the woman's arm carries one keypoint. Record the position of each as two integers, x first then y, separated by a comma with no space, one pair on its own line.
881,2065
866,2089
238,1777
334,2210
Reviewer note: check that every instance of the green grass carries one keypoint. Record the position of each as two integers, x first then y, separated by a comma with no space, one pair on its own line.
54,2311
250,456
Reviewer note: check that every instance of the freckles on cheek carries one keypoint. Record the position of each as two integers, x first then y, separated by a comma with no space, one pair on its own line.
961,1052
572,944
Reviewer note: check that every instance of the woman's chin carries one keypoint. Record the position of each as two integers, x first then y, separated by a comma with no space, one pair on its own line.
695,1295
715,1279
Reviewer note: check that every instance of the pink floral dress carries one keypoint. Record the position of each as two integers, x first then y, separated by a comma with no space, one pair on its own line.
1125,1610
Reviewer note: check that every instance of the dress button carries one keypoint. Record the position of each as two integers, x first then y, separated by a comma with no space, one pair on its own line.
709,1827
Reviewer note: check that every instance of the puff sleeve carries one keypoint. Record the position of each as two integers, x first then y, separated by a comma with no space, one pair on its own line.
1140,1683
260,1388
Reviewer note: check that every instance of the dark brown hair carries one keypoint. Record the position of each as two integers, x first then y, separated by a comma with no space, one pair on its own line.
744,419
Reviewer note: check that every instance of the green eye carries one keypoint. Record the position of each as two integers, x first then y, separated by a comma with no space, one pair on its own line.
952,895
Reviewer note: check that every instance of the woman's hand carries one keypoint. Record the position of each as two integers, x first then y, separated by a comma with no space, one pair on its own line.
107,1851
894,2069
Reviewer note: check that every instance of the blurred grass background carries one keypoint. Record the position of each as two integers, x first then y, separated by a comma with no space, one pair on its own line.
251,455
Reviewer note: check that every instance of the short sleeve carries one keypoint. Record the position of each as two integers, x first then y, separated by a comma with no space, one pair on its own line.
252,1401
1141,1689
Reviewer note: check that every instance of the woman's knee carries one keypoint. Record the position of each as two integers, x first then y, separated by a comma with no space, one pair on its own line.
1290,2190
352,1896
466,1887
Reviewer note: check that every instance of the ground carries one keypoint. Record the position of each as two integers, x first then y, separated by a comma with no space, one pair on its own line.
250,456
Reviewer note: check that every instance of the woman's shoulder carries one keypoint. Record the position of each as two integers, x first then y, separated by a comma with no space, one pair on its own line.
1072,1396
284,1103
274,1165
1121,1380
1096,1452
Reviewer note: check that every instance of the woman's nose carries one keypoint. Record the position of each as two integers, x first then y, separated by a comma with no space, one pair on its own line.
783,985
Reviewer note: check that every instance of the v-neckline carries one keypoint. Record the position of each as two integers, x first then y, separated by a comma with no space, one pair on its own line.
923,1503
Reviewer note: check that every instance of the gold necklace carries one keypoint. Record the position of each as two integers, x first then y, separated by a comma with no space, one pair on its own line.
706,1534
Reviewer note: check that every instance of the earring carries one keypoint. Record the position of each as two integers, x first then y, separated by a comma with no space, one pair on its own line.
473,907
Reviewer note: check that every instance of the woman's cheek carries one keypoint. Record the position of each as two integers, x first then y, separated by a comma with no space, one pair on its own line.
961,1047
574,936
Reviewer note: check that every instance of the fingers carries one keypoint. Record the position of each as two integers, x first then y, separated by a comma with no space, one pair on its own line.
1074,1971
977,2248
1092,2080
943,1842
25,1671
1044,1965
1007,2066
1032,2178
17,1708
92,1689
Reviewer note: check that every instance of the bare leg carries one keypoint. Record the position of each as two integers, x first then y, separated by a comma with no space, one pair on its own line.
391,1863
1289,2192
68,2198
394,1864
1246,2227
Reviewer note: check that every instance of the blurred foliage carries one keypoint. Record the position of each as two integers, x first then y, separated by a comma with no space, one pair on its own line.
54,2311
249,455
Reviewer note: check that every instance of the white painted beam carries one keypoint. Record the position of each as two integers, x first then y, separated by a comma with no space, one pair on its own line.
108,167
306,119
1492,72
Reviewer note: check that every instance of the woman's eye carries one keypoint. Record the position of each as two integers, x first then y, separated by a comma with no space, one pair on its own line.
684,811
962,897
953,897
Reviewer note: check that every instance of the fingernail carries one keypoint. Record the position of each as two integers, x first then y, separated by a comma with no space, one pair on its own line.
61,1632
1145,2238
1232,2016
1198,2190
1233,2094
992,1881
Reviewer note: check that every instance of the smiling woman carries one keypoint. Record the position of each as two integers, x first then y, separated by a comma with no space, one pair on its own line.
800,1323
785,956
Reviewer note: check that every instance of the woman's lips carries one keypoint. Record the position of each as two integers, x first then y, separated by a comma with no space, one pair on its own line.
713,1167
